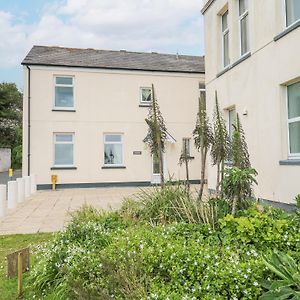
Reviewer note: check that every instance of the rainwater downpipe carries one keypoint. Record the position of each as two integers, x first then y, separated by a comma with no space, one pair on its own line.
28,115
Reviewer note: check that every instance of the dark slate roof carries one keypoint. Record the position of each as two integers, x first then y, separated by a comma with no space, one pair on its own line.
107,59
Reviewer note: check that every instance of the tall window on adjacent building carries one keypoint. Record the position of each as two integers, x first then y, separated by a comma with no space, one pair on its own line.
292,8
294,119
63,149
113,149
64,93
225,39
244,27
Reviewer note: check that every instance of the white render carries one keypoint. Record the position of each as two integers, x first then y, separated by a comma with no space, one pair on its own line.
257,87
107,101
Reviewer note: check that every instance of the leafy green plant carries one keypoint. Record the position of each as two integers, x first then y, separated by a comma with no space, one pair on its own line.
203,138
220,148
157,134
237,185
288,286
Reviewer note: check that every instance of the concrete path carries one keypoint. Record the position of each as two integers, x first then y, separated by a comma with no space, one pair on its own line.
49,211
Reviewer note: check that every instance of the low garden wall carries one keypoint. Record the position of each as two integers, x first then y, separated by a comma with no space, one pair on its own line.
5,159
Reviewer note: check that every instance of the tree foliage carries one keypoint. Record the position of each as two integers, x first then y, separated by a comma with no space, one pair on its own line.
10,114
203,138
239,149
157,133
220,149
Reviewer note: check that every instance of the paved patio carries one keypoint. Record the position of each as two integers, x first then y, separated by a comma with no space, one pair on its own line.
49,211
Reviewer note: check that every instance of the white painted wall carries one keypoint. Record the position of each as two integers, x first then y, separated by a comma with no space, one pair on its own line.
5,159
108,102
258,85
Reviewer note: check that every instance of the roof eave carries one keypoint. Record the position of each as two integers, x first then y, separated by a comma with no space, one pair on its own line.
110,68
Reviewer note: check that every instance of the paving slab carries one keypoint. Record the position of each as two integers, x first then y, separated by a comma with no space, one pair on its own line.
49,211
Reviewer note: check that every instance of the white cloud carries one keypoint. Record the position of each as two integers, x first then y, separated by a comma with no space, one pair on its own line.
141,25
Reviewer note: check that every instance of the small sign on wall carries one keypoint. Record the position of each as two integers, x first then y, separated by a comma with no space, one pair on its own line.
137,152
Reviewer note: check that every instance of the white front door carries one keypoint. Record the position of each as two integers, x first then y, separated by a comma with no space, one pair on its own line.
155,178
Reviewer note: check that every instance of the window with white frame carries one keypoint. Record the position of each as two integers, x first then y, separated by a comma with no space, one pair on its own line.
294,119
244,26
113,149
146,95
231,121
225,39
292,8
64,92
63,149
186,146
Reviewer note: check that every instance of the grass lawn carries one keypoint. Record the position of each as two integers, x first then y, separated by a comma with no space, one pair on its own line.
9,244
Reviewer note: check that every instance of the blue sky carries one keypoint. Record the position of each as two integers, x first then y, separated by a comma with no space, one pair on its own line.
167,26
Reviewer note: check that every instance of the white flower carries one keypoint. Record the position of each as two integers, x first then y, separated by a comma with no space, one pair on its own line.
255,283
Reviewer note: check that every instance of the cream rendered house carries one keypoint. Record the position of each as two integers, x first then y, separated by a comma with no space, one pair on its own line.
85,109
252,61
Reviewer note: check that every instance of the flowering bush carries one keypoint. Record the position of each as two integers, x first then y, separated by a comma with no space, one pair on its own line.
105,256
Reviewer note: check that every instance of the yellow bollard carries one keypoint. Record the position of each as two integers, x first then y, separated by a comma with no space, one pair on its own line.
10,173
54,181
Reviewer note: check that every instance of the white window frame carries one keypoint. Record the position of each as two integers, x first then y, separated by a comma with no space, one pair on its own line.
289,121
241,17
55,142
141,96
224,32
285,15
64,85
122,143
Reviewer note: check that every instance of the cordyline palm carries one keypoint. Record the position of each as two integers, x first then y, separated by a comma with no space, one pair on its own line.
157,133
203,138
220,148
185,158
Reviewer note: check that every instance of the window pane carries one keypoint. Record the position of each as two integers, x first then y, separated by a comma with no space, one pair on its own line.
225,21
186,147
113,138
64,137
146,95
63,154
294,130
156,164
294,100
113,154
242,6
292,11
226,49
244,35
64,97
64,80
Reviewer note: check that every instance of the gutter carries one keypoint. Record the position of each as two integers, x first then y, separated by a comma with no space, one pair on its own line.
29,123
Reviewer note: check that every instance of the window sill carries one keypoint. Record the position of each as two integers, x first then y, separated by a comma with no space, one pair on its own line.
145,105
290,162
64,168
240,60
113,167
287,31
64,110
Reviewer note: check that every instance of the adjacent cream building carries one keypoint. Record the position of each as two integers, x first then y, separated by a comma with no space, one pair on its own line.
252,60
85,110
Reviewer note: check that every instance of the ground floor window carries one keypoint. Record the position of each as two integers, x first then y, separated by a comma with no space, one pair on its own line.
113,149
186,146
231,121
294,119
63,149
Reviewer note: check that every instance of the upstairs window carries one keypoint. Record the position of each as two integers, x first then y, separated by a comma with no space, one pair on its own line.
64,93
292,8
146,95
225,39
113,149
244,27
294,119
